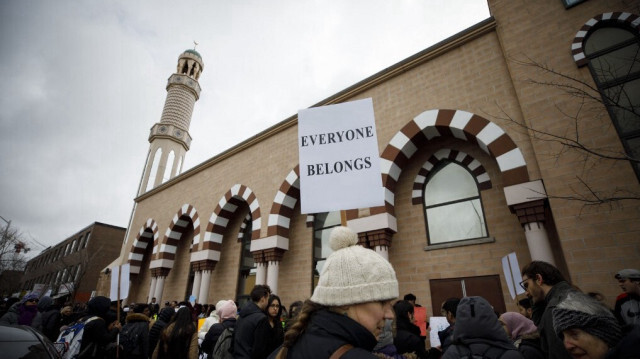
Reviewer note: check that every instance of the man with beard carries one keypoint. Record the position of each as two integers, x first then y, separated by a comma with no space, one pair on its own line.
546,287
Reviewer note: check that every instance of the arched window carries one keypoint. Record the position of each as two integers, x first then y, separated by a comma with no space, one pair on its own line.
614,60
169,167
322,225
453,207
154,170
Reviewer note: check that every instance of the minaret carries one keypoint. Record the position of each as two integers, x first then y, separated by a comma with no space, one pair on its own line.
170,137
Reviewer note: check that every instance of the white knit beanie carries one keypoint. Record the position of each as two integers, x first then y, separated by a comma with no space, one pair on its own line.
353,274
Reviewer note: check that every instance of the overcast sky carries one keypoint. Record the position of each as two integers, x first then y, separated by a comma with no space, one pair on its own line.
82,82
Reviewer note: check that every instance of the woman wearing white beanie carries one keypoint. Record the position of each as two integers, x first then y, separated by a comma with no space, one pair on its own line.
348,308
211,320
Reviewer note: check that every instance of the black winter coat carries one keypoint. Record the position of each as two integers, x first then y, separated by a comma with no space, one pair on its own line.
550,343
156,329
477,330
530,348
211,338
137,327
251,338
326,333
96,331
408,340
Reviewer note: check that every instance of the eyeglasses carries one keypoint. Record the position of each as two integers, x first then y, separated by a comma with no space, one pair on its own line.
274,306
525,284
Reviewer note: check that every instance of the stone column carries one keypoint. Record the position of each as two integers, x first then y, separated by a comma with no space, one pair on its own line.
261,273
272,276
152,289
273,256
538,242
159,288
204,286
195,291
383,251
528,201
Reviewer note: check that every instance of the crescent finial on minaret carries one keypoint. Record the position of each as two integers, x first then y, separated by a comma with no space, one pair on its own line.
194,44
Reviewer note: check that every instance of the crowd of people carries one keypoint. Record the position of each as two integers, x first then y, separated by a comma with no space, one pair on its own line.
354,312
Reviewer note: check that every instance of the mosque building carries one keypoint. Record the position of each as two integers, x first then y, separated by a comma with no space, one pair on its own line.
494,141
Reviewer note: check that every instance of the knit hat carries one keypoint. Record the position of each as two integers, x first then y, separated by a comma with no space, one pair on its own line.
353,274
517,324
632,274
583,312
227,310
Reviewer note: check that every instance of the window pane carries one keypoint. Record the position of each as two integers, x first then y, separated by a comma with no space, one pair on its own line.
451,183
634,149
617,64
458,221
606,37
327,219
625,99
322,248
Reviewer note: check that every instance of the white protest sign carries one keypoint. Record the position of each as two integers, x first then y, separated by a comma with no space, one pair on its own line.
512,274
113,289
436,324
339,158
124,280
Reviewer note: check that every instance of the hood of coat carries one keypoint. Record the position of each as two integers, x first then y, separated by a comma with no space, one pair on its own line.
98,306
166,314
136,317
44,303
250,308
476,322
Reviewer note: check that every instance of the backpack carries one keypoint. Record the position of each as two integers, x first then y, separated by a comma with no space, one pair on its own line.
224,345
69,341
129,339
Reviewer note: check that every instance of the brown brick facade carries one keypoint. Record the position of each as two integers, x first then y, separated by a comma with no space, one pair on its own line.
452,96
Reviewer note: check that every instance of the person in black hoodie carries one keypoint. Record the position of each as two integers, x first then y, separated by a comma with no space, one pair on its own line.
48,322
478,332
347,311
226,311
156,329
134,336
97,332
408,338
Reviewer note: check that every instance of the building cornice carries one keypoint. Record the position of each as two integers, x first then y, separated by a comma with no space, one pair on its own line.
442,47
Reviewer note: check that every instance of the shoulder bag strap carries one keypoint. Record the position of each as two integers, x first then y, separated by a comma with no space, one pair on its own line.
340,351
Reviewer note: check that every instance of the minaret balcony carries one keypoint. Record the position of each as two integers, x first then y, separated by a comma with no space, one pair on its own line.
164,130
184,80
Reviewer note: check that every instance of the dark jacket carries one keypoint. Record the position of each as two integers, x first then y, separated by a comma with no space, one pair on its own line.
48,322
12,316
550,344
137,328
530,348
211,338
156,329
478,331
276,336
326,333
96,331
251,338
629,346
446,337
408,340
